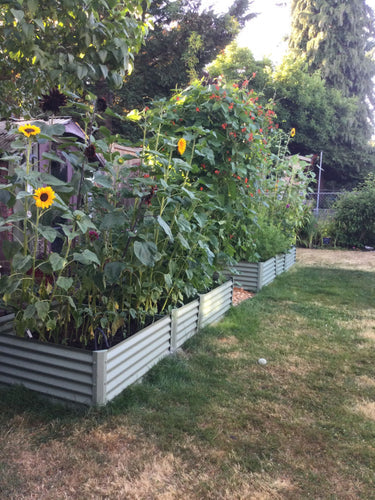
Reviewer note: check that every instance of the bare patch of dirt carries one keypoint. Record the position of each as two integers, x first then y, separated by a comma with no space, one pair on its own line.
346,259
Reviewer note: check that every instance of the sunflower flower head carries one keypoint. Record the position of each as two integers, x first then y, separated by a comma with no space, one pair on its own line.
101,104
181,146
293,132
28,130
53,101
44,197
90,153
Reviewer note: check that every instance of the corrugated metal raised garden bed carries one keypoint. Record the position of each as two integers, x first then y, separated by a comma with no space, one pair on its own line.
96,377
253,276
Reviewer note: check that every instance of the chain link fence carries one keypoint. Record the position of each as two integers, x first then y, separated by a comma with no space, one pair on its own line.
323,200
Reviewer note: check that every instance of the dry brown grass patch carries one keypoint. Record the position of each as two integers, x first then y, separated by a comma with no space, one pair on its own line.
228,341
344,259
364,327
365,381
366,408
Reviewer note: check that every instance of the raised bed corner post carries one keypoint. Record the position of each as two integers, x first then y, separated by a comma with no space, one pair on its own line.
174,325
260,276
200,311
99,396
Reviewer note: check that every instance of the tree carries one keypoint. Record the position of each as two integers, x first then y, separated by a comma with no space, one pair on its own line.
183,41
324,120
65,43
336,38
238,63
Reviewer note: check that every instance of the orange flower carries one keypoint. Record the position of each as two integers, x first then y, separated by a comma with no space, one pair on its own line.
181,146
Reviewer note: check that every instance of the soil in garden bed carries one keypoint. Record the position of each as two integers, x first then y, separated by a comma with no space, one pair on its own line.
100,340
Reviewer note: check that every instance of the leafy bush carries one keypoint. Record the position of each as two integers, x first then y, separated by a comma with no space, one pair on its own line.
315,229
355,215
238,158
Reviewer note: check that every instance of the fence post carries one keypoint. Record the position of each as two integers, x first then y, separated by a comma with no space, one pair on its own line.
319,182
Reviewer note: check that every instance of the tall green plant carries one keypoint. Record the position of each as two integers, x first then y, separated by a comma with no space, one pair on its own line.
355,215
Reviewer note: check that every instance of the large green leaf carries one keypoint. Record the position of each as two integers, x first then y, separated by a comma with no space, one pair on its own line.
146,252
103,180
53,157
10,248
48,233
42,308
64,283
57,262
51,179
183,241
29,312
112,220
113,270
183,224
165,227
86,257
22,263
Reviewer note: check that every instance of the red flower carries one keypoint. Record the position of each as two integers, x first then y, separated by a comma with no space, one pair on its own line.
217,172
224,125
251,194
246,180
93,235
197,109
146,175
201,189
203,165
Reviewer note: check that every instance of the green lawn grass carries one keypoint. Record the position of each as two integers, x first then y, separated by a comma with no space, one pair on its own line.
210,422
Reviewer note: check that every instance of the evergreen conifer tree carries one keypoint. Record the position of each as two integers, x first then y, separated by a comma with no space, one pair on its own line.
337,38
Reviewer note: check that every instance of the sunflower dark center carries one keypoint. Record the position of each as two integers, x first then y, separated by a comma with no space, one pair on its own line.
44,197
29,130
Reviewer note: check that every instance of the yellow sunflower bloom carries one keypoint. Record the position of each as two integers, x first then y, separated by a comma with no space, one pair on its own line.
181,146
29,129
44,197
293,132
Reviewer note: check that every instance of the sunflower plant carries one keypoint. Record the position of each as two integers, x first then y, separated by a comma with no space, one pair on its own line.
38,286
